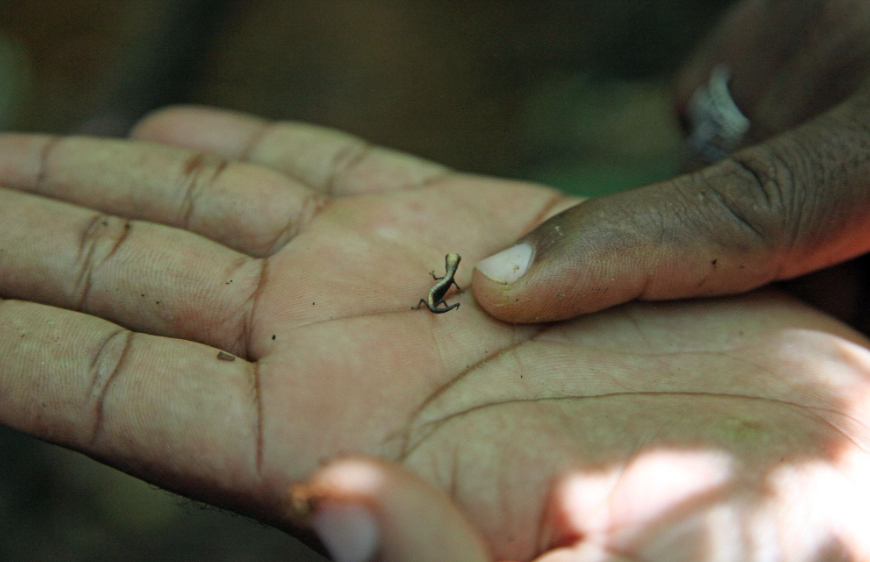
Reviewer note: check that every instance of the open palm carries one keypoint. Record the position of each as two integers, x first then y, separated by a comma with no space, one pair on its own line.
648,432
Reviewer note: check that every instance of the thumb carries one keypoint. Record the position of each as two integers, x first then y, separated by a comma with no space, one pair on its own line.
372,511
797,203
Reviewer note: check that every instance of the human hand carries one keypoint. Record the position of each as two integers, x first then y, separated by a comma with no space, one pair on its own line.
793,204
656,432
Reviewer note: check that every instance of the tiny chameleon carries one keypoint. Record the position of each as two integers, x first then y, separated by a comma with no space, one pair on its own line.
437,292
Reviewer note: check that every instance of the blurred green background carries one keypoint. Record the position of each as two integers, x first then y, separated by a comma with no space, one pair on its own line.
574,94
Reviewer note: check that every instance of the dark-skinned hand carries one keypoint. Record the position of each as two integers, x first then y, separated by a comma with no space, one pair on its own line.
796,201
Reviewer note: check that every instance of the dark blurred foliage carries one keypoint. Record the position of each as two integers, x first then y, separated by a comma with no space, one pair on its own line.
572,93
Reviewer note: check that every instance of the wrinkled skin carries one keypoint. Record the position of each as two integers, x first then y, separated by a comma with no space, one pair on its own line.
692,431
794,199
795,60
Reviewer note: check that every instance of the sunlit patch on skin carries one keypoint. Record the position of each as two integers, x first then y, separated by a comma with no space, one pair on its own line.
653,485
856,396
825,506
725,534
353,478
586,552
659,481
856,466
711,534
703,505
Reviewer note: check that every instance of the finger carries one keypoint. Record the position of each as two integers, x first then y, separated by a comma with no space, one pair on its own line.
790,61
328,161
249,208
743,42
796,204
147,277
134,401
366,511
586,552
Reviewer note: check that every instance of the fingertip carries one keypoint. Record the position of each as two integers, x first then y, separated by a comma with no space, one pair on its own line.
155,124
550,291
587,552
516,303
513,286
554,273
225,133
367,510
494,297
351,533
509,265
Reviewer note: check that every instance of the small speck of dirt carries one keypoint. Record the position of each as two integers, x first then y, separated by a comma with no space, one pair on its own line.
312,304
274,337
224,356
714,262
157,302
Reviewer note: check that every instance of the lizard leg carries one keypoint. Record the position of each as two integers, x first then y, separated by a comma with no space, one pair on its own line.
446,308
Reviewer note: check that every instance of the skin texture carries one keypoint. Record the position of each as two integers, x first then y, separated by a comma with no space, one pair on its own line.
731,429
796,201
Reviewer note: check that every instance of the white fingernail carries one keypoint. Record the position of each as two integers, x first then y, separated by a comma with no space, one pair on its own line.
509,265
349,532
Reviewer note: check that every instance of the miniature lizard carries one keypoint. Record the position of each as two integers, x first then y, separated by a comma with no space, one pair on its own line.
437,292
